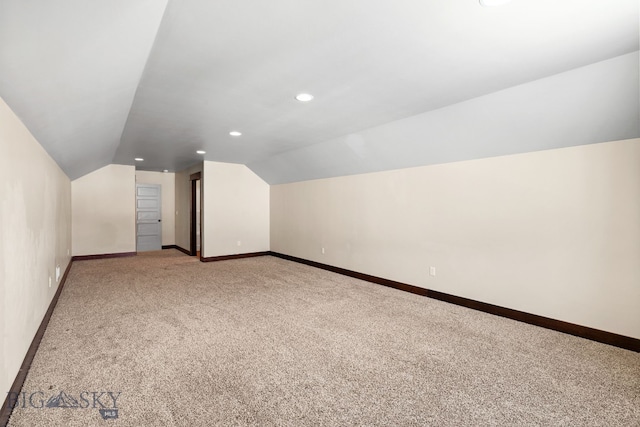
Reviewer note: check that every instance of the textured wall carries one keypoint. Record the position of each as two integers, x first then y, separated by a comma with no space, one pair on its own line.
554,233
236,209
35,237
104,211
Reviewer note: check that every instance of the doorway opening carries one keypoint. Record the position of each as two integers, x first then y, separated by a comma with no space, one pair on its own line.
195,248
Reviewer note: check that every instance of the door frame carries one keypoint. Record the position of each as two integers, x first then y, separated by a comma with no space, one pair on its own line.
193,220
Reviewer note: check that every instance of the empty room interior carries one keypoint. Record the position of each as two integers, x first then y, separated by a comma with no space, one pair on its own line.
320,213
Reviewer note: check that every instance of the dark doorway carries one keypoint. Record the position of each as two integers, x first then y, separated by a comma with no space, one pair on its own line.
196,214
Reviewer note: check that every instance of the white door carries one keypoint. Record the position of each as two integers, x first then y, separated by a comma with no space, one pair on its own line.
148,217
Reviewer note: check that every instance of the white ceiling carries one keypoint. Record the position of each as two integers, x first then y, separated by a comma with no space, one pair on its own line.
104,82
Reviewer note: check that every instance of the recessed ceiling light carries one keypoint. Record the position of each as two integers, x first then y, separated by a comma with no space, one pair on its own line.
235,133
490,3
304,97
165,170
139,159
201,152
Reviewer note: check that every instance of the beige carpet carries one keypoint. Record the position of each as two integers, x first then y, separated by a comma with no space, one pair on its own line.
263,341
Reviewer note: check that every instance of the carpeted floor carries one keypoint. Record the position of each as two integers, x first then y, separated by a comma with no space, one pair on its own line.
263,341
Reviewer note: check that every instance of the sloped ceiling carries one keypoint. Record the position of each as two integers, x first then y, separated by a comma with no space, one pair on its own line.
104,82
70,69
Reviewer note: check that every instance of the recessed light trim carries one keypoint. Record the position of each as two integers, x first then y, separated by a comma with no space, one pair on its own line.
304,97
165,170
235,133
201,152
139,159
492,3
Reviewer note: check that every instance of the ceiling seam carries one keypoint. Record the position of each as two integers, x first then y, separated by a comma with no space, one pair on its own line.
142,74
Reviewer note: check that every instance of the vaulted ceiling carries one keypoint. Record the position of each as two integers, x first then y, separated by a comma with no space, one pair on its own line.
105,82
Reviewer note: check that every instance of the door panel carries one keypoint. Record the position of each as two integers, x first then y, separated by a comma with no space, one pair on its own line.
148,203
147,215
148,229
148,191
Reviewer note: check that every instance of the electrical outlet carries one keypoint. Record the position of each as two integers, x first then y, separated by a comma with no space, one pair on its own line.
49,281
57,273
322,251
68,251
432,271
239,243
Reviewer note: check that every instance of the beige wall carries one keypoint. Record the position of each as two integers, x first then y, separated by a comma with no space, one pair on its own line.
554,233
183,205
35,237
235,210
103,204
167,181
